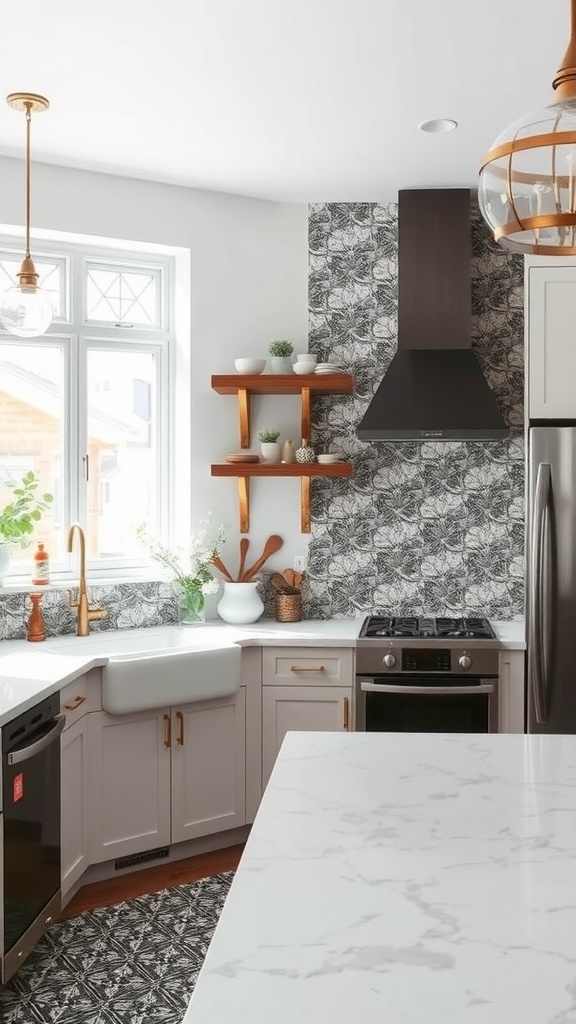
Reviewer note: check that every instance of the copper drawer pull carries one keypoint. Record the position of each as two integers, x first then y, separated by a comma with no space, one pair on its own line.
180,717
307,668
75,703
168,732
346,714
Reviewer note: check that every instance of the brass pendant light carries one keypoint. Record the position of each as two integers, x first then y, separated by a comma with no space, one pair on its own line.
527,187
25,310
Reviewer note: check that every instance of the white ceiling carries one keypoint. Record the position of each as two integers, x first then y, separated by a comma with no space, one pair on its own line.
298,100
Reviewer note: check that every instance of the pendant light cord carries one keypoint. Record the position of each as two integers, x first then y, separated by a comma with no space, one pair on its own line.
28,121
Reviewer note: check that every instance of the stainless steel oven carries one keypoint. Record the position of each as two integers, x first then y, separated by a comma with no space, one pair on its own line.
426,683
30,830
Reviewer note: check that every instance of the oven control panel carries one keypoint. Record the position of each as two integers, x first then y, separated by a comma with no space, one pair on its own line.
426,660
421,658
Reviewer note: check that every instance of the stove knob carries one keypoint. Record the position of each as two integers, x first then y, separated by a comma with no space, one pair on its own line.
389,660
464,661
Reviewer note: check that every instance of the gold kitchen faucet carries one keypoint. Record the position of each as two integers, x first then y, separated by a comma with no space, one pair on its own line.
84,613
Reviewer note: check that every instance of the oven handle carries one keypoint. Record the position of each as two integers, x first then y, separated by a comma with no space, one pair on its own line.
433,691
36,748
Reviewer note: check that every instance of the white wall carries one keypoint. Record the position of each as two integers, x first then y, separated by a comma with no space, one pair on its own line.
249,284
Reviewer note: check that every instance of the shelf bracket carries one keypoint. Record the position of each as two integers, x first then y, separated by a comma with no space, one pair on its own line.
244,503
305,505
305,422
244,410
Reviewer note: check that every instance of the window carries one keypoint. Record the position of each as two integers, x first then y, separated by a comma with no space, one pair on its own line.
89,405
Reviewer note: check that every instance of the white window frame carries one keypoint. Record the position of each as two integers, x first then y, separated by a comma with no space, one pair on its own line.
170,345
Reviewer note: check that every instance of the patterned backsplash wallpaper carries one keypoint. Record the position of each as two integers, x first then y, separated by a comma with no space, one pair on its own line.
422,528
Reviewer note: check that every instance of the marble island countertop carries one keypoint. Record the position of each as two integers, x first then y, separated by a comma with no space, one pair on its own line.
405,879
30,671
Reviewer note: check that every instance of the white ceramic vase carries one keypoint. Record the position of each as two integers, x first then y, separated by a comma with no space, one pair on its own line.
270,451
240,603
281,364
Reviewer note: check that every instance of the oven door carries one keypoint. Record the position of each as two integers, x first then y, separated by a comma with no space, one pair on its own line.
462,704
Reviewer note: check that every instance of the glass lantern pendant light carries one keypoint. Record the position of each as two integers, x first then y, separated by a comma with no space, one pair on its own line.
527,188
25,310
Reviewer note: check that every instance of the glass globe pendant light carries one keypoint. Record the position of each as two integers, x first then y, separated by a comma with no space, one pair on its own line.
25,310
527,187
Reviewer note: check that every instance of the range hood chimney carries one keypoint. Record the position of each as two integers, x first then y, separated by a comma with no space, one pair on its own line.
434,387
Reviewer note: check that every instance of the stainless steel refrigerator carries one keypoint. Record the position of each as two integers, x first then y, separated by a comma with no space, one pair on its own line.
551,579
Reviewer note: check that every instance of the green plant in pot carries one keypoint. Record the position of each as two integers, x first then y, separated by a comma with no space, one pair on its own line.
269,445
280,352
19,518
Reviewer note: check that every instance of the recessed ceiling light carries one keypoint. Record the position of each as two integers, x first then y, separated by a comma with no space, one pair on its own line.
438,124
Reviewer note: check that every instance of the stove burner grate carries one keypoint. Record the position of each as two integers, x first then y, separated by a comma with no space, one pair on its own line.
407,626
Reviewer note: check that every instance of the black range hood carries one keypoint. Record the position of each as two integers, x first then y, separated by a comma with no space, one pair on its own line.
434,387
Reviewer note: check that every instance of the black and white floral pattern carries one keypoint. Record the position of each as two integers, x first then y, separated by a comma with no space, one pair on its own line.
129,605
133,963
422,528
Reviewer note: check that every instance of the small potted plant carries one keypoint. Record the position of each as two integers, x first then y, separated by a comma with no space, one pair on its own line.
19,517
269,445
280,352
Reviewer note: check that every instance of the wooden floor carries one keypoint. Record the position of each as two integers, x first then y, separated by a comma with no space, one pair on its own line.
126,887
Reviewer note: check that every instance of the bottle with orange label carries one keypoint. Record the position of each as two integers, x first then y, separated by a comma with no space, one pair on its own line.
41,566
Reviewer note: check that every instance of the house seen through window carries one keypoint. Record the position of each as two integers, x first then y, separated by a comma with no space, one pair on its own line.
86,406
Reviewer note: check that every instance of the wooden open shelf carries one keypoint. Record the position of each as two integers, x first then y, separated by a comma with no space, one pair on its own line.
304,470
243,385
305,385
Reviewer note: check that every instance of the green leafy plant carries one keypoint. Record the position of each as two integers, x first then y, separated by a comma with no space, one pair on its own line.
19,518
281,348
268,435
190,569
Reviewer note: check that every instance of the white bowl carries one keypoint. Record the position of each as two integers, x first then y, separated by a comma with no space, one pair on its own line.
250,365
329,458
301,367
306,357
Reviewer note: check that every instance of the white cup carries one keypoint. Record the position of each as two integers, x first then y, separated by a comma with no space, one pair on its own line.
307,357
302,367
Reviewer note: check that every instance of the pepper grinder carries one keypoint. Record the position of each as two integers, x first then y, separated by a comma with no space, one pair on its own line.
36,627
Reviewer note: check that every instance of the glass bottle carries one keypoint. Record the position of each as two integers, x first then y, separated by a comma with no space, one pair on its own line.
41,566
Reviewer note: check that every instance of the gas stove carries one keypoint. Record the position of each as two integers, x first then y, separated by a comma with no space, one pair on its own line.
413,627
426,646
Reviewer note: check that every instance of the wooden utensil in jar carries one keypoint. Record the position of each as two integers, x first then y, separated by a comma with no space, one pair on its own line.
280,585
272,545
244,545
219,564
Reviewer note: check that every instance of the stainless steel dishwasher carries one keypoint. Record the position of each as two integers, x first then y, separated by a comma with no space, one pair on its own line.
30,824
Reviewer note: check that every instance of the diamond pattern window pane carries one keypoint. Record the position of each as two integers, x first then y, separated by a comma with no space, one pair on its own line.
123,295
51,278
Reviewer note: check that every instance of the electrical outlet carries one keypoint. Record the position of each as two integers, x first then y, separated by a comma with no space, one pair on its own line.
299,563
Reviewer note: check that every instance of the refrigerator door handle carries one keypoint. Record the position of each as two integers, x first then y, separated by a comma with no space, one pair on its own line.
540,604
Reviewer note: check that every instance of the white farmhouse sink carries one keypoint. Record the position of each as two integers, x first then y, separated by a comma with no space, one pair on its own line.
173,666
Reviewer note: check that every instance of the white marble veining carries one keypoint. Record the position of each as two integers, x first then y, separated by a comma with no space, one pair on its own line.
29,672
403,879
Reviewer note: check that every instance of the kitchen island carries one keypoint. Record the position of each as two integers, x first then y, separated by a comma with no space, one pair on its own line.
411,879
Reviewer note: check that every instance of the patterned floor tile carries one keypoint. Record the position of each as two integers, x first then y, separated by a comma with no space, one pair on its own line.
134,963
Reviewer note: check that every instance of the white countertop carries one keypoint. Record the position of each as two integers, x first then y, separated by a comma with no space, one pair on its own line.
31,671
405,879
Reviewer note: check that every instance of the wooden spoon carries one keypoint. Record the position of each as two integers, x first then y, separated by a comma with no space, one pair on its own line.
278,581
219,564
244,545
272,545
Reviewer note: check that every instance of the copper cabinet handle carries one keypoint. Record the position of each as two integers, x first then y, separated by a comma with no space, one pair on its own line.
180,717
307,668
346,714
75,703
168,731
